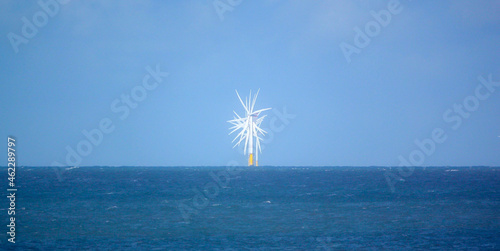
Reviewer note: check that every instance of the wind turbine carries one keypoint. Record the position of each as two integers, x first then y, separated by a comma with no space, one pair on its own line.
250,128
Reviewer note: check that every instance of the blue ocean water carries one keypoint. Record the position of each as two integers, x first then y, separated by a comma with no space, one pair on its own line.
255,208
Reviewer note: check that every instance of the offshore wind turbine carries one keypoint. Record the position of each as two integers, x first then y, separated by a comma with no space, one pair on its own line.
250,128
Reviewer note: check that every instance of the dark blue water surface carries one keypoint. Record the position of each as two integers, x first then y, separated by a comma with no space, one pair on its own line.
264,208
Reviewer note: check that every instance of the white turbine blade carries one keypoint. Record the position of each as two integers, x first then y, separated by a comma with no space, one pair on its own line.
240,125
241,138
238,143
241,135
254,100
261,131
234,130
247,136
237,136
243,131
258,145
238,116
241,101
261,110
235,145
248,126
246,143
247,105
259,120
257,124
235,119
236,122
250,102
255,131
260,149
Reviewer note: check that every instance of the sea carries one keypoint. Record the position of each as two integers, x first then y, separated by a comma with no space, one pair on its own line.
253,208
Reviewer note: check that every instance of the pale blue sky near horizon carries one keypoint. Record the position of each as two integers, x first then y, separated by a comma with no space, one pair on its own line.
364,113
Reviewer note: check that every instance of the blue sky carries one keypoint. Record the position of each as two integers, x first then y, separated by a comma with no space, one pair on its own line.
397,89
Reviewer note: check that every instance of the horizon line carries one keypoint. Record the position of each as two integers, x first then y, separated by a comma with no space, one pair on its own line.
461,166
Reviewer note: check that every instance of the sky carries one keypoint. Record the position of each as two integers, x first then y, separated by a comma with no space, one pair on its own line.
152,83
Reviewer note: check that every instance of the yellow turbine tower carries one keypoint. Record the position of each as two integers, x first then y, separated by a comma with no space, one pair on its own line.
249,127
